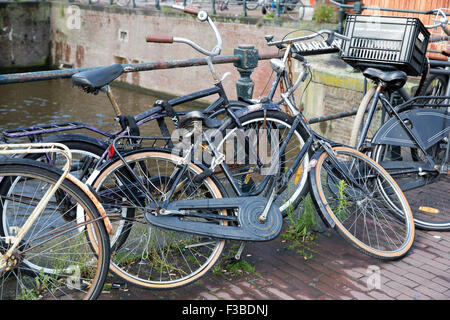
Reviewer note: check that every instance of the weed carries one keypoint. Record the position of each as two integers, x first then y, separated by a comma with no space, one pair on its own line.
300,228
342,211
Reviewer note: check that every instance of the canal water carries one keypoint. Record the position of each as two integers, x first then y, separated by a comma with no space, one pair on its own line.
56,101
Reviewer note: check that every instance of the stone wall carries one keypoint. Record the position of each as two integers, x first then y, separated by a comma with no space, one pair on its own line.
24,35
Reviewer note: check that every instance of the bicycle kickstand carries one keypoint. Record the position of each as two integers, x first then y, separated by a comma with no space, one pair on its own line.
238,254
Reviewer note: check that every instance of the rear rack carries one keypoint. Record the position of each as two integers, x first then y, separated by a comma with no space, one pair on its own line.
48,128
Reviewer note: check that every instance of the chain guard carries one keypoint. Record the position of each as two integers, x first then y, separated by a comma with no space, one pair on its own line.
249,209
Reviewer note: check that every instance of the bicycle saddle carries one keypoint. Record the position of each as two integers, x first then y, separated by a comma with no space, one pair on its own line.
93,80
393,79
198,115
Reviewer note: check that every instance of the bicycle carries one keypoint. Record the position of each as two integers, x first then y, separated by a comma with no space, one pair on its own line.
249,4
53,235
179,216
293,9
402,144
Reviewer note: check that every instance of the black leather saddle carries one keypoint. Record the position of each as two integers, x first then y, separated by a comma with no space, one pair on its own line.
93,80
196,116
393,79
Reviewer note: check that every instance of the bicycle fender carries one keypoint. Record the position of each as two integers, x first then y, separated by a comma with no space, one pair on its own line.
320,206
428,125
257,107
75,137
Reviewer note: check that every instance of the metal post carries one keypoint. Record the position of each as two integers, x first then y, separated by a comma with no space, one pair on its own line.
134,3
244,8
340,27
278,8
248,60
157,5
213,3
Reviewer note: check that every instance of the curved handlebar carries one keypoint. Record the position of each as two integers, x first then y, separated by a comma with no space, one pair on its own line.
442,21
159,39
315,34
202,16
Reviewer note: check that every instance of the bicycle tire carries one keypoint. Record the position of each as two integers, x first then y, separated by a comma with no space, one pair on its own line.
251,4
195,256
358,121
122,3
429,200
345,205
298,186
45,260
294,11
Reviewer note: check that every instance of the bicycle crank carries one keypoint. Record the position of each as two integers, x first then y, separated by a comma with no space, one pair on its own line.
189,216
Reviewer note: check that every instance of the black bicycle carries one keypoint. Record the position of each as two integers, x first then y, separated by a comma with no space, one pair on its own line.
410,136
177,214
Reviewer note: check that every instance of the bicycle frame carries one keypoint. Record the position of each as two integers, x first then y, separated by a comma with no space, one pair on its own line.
27,149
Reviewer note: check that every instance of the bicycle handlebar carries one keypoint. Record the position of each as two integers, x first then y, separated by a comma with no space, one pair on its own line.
201,16
330,33
159,39
442,21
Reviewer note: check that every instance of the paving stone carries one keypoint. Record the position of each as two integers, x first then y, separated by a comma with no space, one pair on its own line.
336,271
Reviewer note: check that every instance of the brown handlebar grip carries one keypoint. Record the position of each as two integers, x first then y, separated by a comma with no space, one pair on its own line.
191,10
159,39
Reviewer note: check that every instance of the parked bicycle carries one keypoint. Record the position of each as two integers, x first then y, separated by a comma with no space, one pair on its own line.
53,231
412,140
178,215
222,5
293,9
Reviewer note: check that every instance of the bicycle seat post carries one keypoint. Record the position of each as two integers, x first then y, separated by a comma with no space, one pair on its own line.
113,100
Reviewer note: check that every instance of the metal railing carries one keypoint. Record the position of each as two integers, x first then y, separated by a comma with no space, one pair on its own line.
245,59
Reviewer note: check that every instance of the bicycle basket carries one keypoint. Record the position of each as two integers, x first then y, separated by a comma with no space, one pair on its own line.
377,41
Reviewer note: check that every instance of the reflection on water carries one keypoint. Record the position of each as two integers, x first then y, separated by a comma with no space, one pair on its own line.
56,101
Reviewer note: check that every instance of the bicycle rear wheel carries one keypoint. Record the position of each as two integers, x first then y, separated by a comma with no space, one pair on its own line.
57,259
265,132
426,192
145,255
352,193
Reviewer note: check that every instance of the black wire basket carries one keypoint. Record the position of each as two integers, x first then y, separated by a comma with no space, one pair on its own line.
385,42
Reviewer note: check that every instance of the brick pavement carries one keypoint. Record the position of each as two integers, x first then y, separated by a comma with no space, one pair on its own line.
336,271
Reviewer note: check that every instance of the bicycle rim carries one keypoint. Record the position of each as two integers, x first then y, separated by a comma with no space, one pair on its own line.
149,256
362,215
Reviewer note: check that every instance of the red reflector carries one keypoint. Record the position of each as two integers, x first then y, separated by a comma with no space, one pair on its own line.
111,151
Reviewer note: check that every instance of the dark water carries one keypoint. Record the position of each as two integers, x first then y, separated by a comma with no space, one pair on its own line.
56,101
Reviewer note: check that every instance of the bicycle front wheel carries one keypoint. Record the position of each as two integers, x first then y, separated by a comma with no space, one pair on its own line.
350,188
58,258
145,255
